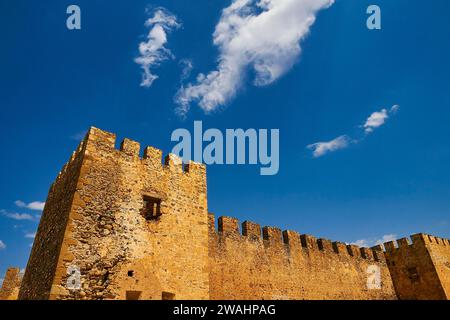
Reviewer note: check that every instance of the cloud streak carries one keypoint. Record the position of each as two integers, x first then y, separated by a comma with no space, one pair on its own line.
259,35
30,235
2,245
78,136
153,52
19,216
321,148
378,118
186,66
374,241
35,205
374,121
16,216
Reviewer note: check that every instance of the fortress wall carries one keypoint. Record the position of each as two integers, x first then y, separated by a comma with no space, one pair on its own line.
116,249
420,268
94,224
40,271
286,265
11,284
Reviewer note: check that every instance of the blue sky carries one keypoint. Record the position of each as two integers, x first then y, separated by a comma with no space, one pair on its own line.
55,83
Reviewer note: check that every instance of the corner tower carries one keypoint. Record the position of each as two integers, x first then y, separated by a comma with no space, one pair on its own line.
118,226
420,270
11,284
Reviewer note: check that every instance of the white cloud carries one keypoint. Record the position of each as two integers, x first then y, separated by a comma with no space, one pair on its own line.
361,243
262,35
374,241
386,238
394,108
153,51
30,235
35,205
187,67
2,245
322,148
20,204
378,118
375,120
16,216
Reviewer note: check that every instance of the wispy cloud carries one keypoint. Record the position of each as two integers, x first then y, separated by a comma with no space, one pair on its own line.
78,136
186,69
375,120
153,51
375,241
262,35
30,235
16,216
2,245
378,118
35,205
322,148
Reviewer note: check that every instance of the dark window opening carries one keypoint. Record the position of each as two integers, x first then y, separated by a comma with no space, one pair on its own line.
130,273
413,275
133,295
152,208
168,296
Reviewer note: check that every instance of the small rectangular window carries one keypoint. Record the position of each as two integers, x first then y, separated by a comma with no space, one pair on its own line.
413,274
152,208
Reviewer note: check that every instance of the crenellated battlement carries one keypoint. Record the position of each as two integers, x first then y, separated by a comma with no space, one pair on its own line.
99,141
228,227
250,261
415,240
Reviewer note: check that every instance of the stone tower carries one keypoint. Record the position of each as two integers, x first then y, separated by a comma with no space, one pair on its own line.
420,270
118,226
11,284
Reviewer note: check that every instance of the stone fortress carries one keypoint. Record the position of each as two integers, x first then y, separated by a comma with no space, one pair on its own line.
120,226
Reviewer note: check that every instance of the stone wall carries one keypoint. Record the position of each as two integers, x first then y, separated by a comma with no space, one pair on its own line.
11,284
119,253
45,252
421,269
287,265
96,241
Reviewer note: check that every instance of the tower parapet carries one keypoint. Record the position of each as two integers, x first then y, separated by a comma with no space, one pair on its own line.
419,266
